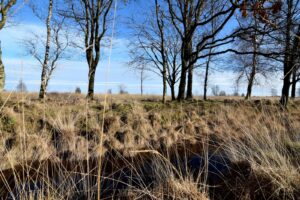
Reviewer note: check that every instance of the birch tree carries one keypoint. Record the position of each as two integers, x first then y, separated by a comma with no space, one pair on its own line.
5,7
49,50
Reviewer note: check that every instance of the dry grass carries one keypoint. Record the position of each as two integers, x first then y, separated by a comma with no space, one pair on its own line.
147,148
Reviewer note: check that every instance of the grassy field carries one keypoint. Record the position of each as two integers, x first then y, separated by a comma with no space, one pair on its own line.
133,147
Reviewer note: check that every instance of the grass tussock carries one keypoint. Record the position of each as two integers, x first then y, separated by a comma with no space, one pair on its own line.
219,149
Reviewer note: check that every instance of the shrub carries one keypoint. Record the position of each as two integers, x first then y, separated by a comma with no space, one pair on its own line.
77,90
215,90
21,87
274,92
122,89
236,94
222,93
7,121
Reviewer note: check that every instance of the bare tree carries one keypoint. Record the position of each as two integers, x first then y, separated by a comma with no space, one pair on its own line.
287,31
122,89
274,92
140,70
286,34
251,65
142,79
222,93
215,90
157,47
236,88
190,18
287,67
90,17
207,69
209,58
21,87
282,16
255,45
5,6
173,67
291,44
55,45
143,76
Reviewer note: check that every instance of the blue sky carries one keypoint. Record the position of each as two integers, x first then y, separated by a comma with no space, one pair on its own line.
73,72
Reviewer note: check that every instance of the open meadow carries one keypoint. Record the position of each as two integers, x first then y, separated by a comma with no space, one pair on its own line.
133,147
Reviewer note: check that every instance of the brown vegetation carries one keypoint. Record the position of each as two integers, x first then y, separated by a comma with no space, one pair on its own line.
148,148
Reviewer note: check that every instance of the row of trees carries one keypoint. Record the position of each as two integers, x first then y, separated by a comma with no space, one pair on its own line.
175,38
180,36
88,18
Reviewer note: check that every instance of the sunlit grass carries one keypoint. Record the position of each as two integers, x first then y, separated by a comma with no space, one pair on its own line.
146,147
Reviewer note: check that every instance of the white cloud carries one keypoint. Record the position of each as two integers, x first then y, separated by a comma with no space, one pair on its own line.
74,72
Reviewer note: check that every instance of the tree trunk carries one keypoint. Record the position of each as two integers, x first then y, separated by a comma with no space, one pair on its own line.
250,85
172,87
253,70
43,87
142,91
185,56
142,82
91,85
2,72
285,90
206,76
92,63
173,81
287,58
182,84
294,83
189,94
209,57
164,86
205,82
